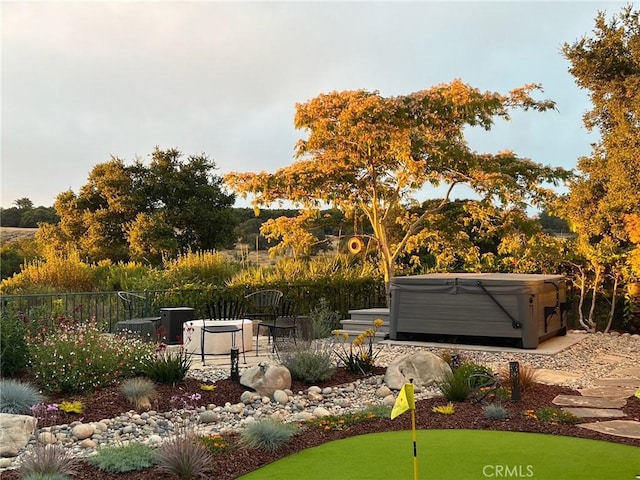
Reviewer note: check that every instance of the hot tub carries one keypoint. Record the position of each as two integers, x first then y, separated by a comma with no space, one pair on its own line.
526,307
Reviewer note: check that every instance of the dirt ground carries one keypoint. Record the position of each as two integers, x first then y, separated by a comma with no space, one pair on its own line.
12,234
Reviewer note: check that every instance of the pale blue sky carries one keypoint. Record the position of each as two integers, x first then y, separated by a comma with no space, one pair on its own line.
82,81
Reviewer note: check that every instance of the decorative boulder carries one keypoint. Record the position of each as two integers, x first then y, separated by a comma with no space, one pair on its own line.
266,378
15,432
423,368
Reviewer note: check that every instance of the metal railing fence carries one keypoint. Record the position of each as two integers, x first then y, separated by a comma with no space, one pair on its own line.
108,309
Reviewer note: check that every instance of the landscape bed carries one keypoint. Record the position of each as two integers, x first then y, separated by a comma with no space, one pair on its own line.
108,403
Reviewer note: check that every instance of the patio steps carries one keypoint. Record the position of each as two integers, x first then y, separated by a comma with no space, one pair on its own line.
361,320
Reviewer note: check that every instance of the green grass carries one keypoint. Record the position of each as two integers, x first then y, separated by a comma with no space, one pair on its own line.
459,454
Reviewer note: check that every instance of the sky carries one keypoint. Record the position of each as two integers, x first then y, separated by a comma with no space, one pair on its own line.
84,81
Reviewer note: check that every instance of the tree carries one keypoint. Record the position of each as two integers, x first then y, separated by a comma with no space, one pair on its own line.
369,154
607,190
144,212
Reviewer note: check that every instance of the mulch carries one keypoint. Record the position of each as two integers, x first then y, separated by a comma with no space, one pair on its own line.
109,403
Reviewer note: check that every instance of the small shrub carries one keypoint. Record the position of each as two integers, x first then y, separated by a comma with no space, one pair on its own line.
359,358
47,461
494,411
323,320
73,358
552,414
378,410
123,458
46,476
528,377
14,354
341,422
71,407
454,387
268,435
309,366
214,443
18,397
185,457
447,409
139,392
468,370
166,367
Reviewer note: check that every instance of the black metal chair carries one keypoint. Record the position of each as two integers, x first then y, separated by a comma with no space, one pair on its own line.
136,307
283,325
263,306
218,311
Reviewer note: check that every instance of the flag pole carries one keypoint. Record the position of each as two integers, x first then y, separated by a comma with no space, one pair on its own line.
414,438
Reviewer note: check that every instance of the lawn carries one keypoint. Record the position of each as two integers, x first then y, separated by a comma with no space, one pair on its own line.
459,454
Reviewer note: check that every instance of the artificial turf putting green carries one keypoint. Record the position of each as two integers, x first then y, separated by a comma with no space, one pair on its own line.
459,455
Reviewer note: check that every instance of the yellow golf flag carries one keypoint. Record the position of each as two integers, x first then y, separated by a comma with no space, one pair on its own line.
404,401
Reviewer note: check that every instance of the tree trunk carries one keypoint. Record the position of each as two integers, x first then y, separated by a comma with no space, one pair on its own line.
612,311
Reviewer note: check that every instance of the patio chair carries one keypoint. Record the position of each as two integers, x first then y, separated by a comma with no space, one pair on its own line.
136,306
283,325
263,306
220,312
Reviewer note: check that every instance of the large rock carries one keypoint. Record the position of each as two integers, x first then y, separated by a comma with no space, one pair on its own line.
266,378
15,432
423,368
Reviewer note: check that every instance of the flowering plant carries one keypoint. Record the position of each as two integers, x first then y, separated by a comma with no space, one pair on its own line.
76,357
359,357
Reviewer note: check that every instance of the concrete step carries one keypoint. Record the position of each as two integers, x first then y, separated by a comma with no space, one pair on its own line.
370,314
362,325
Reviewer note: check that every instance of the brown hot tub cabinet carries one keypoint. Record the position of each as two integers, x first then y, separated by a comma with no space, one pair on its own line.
524,307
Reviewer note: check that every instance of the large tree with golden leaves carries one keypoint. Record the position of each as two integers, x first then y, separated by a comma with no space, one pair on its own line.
370,154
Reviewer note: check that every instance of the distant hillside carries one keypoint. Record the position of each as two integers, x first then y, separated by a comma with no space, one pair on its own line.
12,234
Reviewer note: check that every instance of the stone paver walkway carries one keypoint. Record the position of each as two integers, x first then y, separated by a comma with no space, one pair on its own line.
605,401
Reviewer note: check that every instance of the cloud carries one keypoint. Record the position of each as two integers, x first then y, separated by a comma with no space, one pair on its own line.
82,81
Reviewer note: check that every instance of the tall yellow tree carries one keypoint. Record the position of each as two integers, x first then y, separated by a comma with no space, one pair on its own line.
370,154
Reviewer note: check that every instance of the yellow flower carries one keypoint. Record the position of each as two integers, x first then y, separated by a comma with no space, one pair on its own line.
345,335
358,341
207,388
377,323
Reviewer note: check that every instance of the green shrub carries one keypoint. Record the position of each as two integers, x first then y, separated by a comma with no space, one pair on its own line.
454,387
166,367
308,366
552,414
18,397
215,443
47,461
46,476
494,411
323,320
457,386
359,358
468,369
185,457
14,354
124,458
203,267
268,435
139,391
79,357
62,273
378,410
